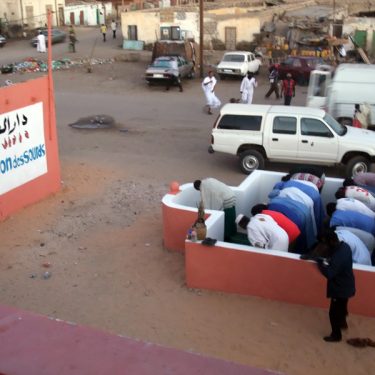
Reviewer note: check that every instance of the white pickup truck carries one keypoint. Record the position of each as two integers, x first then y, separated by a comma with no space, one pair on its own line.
238,63
256,133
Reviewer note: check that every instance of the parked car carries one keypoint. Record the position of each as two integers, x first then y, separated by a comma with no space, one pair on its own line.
256,133
237,64
3,41
299,67
165,67
58,36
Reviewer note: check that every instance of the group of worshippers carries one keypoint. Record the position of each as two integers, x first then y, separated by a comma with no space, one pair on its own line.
295,220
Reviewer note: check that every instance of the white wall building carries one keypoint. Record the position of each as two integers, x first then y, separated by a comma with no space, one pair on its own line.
31,13
87,13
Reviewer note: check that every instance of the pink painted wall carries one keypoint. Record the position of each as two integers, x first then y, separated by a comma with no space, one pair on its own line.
16,97
269,276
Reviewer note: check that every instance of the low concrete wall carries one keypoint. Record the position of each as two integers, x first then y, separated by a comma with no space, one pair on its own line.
247,270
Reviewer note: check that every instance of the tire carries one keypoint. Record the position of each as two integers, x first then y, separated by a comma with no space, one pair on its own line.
222,77
357,164
191,75
250,160
301,81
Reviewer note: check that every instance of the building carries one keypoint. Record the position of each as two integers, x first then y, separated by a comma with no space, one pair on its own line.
88,13
30,14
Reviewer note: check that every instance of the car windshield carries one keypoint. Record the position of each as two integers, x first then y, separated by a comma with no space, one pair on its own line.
234,58
162,64
335,126
313,62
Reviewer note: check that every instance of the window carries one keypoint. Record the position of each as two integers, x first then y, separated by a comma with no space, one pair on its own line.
284,125
240,122
316,128
297,63
234,58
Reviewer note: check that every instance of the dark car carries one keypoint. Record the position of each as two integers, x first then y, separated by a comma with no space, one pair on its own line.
163,68
3,41
58,36
299,67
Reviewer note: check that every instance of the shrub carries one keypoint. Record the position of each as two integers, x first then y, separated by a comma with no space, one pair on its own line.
217,44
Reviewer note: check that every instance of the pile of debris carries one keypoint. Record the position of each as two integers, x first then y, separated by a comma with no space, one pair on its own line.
32,65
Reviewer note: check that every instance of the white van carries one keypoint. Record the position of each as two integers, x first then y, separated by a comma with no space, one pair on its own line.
337,92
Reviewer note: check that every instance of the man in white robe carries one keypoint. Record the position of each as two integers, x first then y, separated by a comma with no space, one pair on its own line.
264,232
41,44
208,86
247,88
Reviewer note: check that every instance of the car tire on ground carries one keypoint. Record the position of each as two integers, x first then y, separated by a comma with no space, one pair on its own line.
357,164
222,76
301,81
250,160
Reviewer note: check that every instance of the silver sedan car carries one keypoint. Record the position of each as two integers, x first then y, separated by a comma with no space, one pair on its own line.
167,68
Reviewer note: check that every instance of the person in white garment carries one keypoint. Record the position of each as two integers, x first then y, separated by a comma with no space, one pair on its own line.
208,86
216,195
264,232
41,44
358,193
360,253
349,204
248,85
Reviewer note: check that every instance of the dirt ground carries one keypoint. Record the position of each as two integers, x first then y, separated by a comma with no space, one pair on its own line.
101,235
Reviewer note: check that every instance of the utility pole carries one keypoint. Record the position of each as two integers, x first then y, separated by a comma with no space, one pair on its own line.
56,14
333,17
21,6
201,38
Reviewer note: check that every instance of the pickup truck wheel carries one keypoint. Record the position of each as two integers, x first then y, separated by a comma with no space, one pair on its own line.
357,164
251,160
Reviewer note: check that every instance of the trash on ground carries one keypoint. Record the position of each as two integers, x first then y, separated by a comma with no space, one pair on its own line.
94,122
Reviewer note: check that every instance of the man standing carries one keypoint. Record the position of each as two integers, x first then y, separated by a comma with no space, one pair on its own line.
41,44
208,86
114,28
72,38
218,196
175,79
288,88
103,30
274,81
340,283
247,88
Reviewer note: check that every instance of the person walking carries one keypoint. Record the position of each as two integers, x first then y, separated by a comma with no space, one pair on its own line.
72,38
114,28
175,78
41,42
103,30
340,283
247,88
274,81
208,86
288,88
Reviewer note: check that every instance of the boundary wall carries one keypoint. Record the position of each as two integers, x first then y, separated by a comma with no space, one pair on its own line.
27,113
247,270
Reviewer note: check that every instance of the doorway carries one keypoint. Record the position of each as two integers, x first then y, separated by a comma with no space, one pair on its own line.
230,38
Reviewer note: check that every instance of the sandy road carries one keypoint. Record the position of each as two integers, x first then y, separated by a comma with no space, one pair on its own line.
102,232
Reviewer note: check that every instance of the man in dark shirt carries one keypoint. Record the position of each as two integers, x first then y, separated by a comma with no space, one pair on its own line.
340,283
